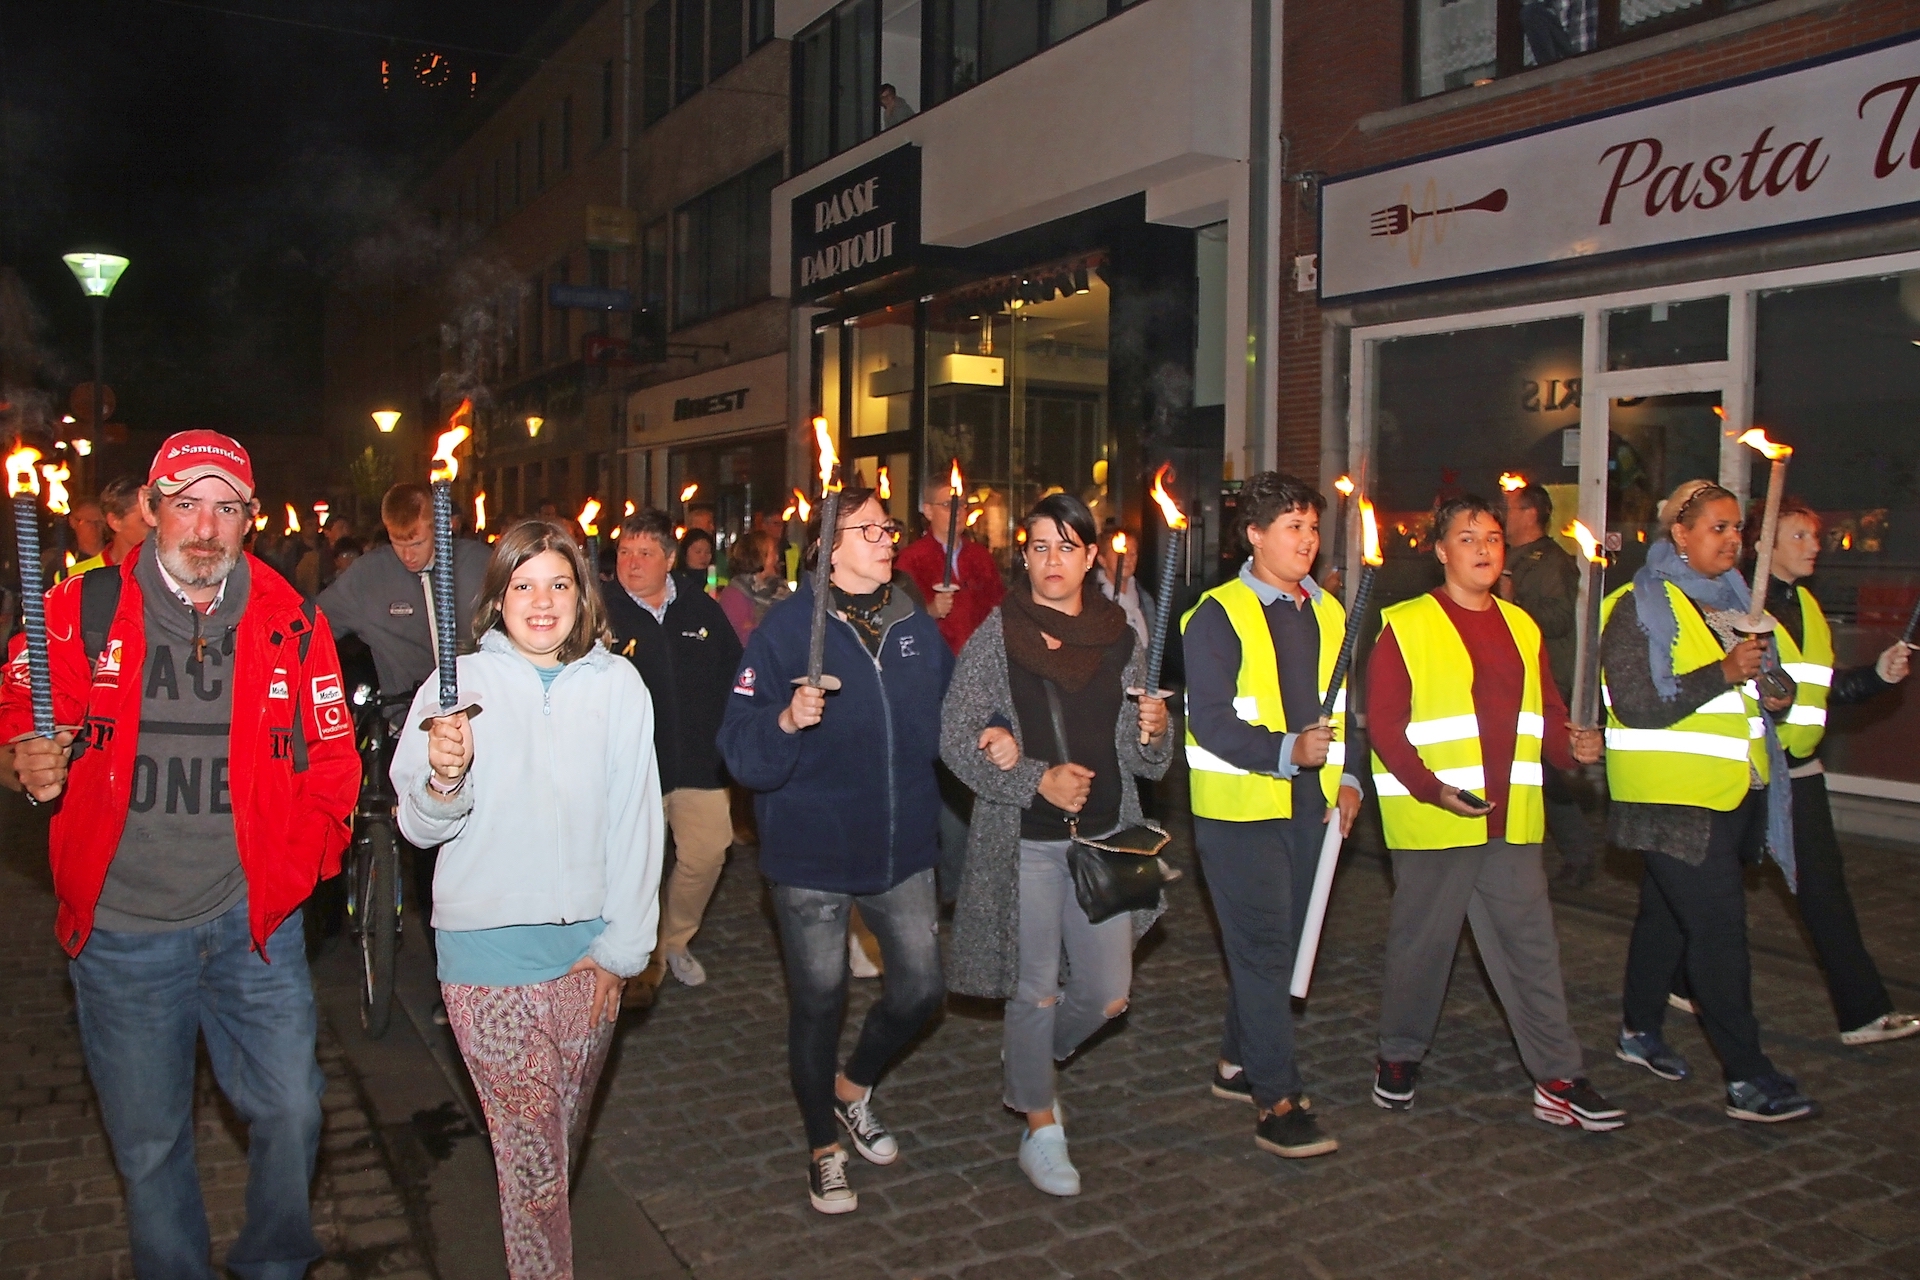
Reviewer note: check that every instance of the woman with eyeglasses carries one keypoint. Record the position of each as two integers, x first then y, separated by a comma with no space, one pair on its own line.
1039,725
1699,783
848,811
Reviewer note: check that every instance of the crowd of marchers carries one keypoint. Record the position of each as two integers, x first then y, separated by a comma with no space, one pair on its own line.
944,765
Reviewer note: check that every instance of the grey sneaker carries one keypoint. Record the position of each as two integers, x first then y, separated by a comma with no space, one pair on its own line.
689,971
1653,1053
1768,1099
1043,1158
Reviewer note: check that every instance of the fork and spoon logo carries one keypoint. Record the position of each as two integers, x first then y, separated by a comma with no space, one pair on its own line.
1404,219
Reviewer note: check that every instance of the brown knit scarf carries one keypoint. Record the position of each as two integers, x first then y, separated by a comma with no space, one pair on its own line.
1084,637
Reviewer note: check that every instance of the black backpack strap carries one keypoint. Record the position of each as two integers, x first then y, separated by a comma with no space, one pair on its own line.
99,601
308,609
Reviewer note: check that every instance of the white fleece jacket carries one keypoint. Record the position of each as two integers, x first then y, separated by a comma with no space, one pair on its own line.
560,819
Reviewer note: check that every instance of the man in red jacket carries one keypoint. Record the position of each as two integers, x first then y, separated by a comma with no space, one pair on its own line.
977,586
202,785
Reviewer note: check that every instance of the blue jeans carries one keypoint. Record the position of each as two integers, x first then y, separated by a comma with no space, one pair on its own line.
813,942
143,999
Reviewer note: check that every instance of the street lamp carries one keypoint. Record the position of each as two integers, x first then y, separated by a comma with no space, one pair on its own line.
97,274
534,423
386,420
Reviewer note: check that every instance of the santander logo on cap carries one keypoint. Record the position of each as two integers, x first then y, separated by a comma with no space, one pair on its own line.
191,455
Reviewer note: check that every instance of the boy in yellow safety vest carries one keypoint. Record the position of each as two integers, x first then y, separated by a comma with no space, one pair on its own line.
1266,775
1462,713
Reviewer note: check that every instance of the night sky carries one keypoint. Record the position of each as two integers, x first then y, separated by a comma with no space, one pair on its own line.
231,159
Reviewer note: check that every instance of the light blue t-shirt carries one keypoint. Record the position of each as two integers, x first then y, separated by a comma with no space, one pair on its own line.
515,955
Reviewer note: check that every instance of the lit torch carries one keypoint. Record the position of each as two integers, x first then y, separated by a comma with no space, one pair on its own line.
1163,604
1344,487
293,520
823,559
59,505
445,605
1119,545
1757,620
956,499
1511,482
588,514
480,512
885,486
1333,713
1586,653
24,487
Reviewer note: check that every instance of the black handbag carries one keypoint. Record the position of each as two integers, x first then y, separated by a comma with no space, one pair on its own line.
1118,872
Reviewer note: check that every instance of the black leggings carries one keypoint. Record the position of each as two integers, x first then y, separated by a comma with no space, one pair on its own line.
1698,914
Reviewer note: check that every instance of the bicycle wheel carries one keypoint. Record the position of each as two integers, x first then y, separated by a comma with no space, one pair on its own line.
379,921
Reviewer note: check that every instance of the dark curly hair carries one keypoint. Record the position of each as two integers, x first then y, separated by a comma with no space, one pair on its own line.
1268,495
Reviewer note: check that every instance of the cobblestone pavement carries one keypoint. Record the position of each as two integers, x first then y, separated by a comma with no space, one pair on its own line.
700,1128
61,1210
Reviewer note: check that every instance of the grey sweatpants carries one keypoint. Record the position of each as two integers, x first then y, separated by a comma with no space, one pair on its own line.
1501,889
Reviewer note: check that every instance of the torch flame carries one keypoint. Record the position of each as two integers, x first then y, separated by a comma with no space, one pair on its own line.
21,478
71,560
973,516
480,512
802,506
787,514
1119,544
829,458
260,522
1510,482
293,519
1589,545
1773,450
629,509
587,515
956,483
458,429
1345,485
57,500
884,486
686,494
1172,514
1369,535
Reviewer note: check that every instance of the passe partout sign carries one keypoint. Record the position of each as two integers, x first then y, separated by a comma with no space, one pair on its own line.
1830,139
860,225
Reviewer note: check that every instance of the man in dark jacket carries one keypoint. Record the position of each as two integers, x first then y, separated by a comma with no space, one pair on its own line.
1543,580
849,813
685,649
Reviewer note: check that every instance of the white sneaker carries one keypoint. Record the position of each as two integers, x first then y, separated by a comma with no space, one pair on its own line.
827,1185
1043,1158
686,968
859,964
1888,1026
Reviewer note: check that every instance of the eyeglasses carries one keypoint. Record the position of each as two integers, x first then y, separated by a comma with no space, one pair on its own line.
888,531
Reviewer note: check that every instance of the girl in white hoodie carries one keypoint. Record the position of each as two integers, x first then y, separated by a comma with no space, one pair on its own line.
546,804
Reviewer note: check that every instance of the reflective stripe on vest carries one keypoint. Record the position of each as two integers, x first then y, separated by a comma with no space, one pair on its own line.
1224,791
1812,670
1706,758
1445,730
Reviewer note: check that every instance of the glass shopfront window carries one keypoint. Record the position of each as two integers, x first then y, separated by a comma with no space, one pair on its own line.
737,478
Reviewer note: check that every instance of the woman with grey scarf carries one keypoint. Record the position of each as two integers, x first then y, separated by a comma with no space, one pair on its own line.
1048,669
1700,786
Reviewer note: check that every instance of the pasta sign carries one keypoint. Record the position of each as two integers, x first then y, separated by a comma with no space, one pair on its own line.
1829,139
858,226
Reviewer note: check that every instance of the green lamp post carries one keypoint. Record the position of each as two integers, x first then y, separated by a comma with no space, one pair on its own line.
97,274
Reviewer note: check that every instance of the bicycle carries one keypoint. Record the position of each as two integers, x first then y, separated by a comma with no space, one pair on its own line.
374,893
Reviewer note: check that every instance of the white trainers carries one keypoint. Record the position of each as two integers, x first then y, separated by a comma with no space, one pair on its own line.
1888,1026
1043,1158
870,1137
688,970
859,963
827,1185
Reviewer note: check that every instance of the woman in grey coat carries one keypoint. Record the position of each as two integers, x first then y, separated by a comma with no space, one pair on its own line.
1049,667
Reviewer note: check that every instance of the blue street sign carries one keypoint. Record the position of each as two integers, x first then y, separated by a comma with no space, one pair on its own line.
588,297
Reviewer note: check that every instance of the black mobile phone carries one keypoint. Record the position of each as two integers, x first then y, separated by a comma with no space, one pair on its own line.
1474,800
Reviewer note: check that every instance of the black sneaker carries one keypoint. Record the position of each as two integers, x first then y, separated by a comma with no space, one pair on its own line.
1291,1132
1234,1088
827,1183
870,1137
1393,1084
1768,1099
1575,1102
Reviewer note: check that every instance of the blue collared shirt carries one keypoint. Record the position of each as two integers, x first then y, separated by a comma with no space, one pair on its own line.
1269,595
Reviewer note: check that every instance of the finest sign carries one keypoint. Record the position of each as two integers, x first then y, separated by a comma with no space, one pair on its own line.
859,226
1834,138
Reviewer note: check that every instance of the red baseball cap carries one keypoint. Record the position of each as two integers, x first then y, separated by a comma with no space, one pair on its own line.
193,455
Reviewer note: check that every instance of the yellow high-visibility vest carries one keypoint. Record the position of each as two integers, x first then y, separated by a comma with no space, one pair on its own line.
1708,757
1221,790
1812,670
1445,729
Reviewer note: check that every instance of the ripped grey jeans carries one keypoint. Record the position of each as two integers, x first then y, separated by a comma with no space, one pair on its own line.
813,942
1045,1022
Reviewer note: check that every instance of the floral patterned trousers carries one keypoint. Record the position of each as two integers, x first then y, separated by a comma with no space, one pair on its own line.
534,1060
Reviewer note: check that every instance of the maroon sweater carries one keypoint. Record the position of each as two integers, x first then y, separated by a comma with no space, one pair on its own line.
1498,677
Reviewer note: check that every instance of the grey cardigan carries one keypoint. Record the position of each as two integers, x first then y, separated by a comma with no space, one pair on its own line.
983,954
